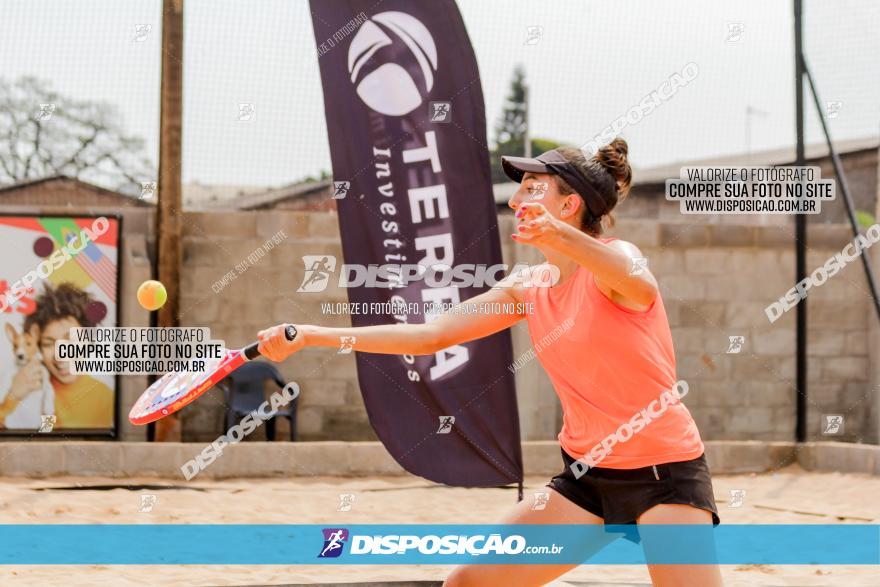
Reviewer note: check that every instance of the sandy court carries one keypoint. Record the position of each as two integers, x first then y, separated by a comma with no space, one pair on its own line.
788,496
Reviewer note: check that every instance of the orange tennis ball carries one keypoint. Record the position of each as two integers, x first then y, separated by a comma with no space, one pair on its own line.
152,295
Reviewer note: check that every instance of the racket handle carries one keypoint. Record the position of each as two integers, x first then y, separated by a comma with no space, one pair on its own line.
250,351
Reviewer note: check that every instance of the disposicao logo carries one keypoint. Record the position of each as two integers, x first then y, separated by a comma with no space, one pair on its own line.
334,541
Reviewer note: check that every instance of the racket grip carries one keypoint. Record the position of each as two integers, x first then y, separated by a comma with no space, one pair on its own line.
250,351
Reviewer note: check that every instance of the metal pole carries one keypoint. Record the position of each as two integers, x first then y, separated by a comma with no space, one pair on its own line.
844,187
800,232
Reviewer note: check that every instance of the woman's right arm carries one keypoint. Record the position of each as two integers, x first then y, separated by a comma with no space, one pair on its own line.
454,327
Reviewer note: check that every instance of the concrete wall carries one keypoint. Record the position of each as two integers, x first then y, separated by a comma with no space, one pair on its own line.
716,281
330,406
121,460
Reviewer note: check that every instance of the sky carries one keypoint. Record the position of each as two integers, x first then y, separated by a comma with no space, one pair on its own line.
592,62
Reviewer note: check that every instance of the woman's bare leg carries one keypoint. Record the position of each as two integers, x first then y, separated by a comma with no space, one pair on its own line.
559,510
679,575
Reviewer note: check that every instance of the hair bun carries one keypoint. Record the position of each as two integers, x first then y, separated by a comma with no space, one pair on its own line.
613,158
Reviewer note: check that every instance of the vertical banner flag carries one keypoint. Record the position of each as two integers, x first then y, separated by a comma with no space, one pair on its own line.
407,129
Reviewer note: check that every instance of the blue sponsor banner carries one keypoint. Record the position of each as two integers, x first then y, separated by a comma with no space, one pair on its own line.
229,544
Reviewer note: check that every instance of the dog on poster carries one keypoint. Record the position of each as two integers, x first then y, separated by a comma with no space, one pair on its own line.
40,402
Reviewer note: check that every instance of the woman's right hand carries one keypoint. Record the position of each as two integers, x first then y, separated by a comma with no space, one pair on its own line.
274,344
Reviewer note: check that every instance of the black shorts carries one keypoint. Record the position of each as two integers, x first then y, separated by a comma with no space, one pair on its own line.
620,496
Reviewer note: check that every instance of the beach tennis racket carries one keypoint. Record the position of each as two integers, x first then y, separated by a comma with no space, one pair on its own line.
174,391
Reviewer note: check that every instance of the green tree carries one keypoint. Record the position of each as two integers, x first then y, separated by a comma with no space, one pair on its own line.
43,133
510,130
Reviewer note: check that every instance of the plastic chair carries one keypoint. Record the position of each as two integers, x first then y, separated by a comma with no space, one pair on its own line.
244,393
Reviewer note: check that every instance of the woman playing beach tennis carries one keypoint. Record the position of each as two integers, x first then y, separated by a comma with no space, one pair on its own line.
613,362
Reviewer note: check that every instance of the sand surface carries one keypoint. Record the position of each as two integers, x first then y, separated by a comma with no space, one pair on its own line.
789,496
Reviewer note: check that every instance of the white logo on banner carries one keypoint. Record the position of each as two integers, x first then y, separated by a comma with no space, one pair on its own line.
389,89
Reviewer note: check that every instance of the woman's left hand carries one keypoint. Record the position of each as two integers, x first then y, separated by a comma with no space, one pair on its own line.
536,225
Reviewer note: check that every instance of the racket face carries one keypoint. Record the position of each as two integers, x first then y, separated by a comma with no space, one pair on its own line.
174,391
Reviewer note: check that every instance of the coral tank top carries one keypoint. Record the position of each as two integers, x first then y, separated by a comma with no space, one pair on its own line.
613,369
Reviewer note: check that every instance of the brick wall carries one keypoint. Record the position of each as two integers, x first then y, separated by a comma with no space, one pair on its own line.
716,281
331,406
